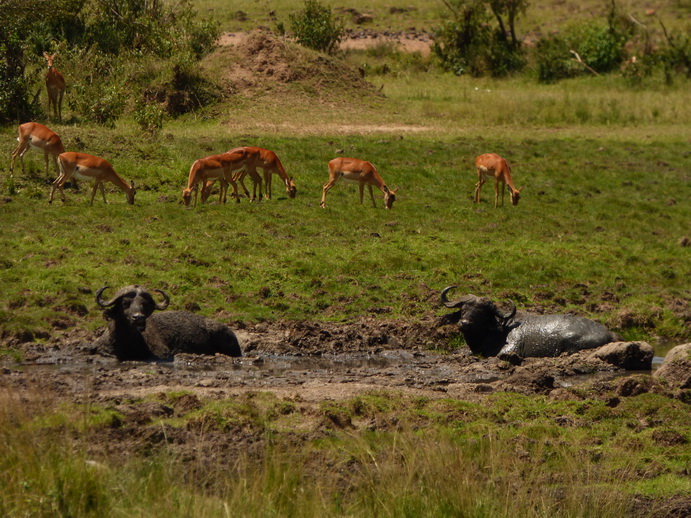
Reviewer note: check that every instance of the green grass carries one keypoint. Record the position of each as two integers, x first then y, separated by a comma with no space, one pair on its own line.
601,217
391,455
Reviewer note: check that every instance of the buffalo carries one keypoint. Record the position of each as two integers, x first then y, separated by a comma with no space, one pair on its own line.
490,331
136,333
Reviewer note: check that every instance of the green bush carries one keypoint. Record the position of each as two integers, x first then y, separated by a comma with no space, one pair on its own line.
553,60
149,116
675,57
468,44
316,28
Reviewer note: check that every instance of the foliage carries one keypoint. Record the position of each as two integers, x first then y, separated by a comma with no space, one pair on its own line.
468,44
110,35
316,28
149,116
676,55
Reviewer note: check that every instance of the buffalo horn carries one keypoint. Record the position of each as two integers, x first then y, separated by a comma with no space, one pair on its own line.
445,300
100,301
166,300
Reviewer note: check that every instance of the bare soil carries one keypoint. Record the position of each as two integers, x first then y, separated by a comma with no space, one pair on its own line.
315,360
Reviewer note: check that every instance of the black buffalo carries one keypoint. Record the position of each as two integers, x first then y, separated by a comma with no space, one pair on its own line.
491,332
136,333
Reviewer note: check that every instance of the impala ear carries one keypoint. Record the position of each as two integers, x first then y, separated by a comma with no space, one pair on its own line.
45,54
394,191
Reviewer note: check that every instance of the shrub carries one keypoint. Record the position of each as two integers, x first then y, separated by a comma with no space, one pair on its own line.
675,57
149,116
316,28
468,43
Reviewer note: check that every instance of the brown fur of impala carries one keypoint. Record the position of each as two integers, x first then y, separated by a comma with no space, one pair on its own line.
361,172
491,165
207,170
37,136
269,162
55,84
91,168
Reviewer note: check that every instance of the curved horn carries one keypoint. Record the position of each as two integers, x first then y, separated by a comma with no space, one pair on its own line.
506,316
101,302
166,300
445,300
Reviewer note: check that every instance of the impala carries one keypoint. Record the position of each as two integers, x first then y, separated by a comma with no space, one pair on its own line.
55,83
35,135
361,172
491,165
215,167
268,161
91,168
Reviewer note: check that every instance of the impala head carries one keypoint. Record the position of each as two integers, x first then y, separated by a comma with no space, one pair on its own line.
130,194
49,59
389,197
134,303
290,188
515,196
187,195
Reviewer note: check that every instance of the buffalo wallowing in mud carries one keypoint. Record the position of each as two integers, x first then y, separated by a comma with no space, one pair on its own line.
136,333
490,332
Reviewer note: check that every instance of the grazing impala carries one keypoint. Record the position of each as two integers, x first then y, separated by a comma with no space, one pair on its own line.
55,83
491,165
35,135
215,167
364,173
269,162
91,168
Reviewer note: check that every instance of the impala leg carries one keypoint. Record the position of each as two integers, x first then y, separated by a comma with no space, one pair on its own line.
328,185
46,157
478,187
103,192
371,195
60,94
503,190
267,183
240,178
496,193
55,161
257,182
56,183
19,152
234,184
93,191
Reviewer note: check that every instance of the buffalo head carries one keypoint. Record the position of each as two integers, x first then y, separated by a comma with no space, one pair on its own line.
483,325
133,303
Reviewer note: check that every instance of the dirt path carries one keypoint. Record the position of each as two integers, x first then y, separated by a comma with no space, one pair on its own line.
421,43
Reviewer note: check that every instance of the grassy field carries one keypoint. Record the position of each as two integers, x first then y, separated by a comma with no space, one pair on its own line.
598,230
602,230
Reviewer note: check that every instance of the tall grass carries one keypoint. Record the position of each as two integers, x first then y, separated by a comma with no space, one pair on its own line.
510,456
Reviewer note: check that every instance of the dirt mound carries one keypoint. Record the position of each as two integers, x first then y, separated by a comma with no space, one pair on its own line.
262,60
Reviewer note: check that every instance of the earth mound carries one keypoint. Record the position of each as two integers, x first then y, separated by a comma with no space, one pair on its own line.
263,61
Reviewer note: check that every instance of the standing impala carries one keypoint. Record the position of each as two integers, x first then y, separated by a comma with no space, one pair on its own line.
215,167
55,83
269,162
362,172
35,135
91,168
491,165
